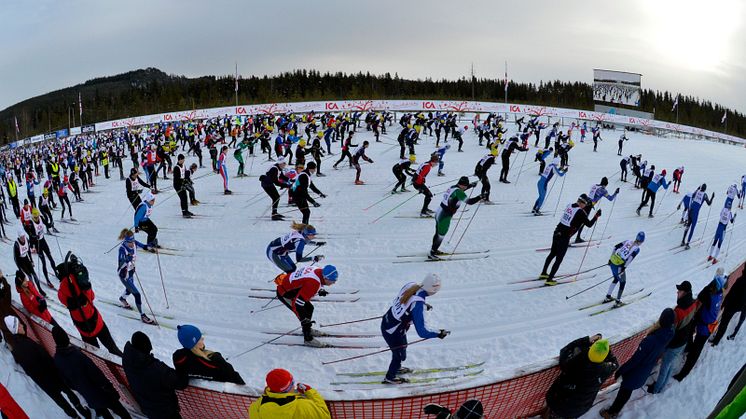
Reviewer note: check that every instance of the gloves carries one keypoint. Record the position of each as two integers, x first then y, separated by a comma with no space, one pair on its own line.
443,333
316,204
323,293
322,195
318,258
617,374
42,304
137,229
319,243
598,213
473,184
678,207
428,307
616,191
302,388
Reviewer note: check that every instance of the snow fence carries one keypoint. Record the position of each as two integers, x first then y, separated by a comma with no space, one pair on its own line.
520,396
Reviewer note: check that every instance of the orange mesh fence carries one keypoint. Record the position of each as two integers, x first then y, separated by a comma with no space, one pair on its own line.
512,398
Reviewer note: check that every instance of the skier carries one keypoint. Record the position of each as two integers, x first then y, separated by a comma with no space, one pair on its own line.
698,197
652,188
223,169
295,290
178,182
401,170
31,299
419,184
541,157
279,249
24,262
134,185
677,175
731,195
451,202
126,272
346,145
317,152
458,135
624,253
62,195
543,182
726,216
597,192
573,216
623,166
360,154
408,307
622,139
647,176
596,137
505,156
300,194
481,169
743,191
686,201
40,243
441,151
275,177
143,222
238,154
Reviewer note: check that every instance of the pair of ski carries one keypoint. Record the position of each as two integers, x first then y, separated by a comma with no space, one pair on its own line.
421,376
445,257
560,281
581,245
682,248
632,297
337,296
327,345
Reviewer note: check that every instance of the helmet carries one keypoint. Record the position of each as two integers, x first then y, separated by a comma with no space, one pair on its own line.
494,151
640,237
431,284
35,212
466,128
330,273
448,146
412,158
605,181
463,181
584,198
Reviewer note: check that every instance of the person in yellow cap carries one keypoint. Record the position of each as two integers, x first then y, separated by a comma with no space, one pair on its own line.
585,364
284,399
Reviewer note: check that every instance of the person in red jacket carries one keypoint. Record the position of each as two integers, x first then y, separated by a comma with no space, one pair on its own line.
677,174
419,184
296,290
31,299
76,294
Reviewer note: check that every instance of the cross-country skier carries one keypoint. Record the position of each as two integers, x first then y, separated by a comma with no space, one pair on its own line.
419,183
24,262
623,166
647,176
458,135
597,192
698,197
441,151
178,182
238,153
295,290
275,177
544,179
299,191
743,191
541,157
133,186
624,253
686,201
677,175
143,222
726,216
279,249
408,307
126,272
573,216
480,170
62,195
360,154
451,202
40,243
223,169
622,139
652,188
505,156
731,195
401,170
346,146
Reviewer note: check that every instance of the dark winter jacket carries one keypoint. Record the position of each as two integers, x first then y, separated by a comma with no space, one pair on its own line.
37,363
573,392
636,371
84,377
736,298
5,295
686,310
216,369
153,383
708,312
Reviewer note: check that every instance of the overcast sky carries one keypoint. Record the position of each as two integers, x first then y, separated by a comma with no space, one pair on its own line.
687,46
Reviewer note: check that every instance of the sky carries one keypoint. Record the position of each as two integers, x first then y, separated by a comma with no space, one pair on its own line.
685,46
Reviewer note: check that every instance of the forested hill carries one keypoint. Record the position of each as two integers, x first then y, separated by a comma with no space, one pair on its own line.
149,91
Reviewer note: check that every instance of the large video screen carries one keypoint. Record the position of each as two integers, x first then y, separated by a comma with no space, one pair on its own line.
616,87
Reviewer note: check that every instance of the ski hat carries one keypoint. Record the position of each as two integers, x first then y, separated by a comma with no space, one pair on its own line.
604,181
598,351
129,238
431,284
720,279
556,161
412,158
280,381
685,286
640,237
663,172
330,273
308,231
584,198
188,335
12,324
667,318
471,409
141,342
463,181
61,339
147,195
311,165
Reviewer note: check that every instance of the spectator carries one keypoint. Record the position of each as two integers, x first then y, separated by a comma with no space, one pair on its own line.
686,309
282,398
195,361
84,377
636,371
470,409
38,365
153,383
585,364
5,306
31,299
734,302
710,298
76,294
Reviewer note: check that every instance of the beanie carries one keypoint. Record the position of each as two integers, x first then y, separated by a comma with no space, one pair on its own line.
188,335
667,318
598,351
280,381
61,339
141,342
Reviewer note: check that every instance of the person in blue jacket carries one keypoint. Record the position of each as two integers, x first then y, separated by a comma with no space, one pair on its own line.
544,179
698,198
685,201
541,156
598,191
279,249
143,222
441,151
126,271
408,307
710,298
652,187
635,372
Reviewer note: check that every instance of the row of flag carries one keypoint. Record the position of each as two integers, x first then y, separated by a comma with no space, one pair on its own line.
676,105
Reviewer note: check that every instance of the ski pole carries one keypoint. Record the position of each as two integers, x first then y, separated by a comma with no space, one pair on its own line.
350,322
660,204
515,182
587,246
466,229
666,217
373,353
591,287
388,195
609,218
265,309
727,248
706,221
58,245
460,216
270,206
562,188
115,246
157,323
160,272
265,343
392,209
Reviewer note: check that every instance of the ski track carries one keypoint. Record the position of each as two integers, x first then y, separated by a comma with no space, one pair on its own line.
221,256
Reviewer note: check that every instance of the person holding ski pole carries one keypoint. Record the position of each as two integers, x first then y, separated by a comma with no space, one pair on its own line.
401,170
597,192
624,254
126,272
652,188
543,182
279,249
450,204
726,216
698,198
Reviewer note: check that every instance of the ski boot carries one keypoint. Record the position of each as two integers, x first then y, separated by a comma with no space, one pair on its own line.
125,304
403,189
403,370
441,174
608,299
637,211
147,320
549,282
359,182
187,214
579,240
709,258
433,256
396,380
394,192
277,217
315,343
227,192
318,333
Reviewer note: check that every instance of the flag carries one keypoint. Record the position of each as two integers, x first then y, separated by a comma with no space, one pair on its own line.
675,103
725,116
236,89
18,130
506,77
80,106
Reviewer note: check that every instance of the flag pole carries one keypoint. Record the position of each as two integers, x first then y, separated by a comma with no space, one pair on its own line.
236,89
506,81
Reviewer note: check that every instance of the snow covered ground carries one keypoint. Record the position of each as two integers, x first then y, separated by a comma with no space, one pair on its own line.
221,258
